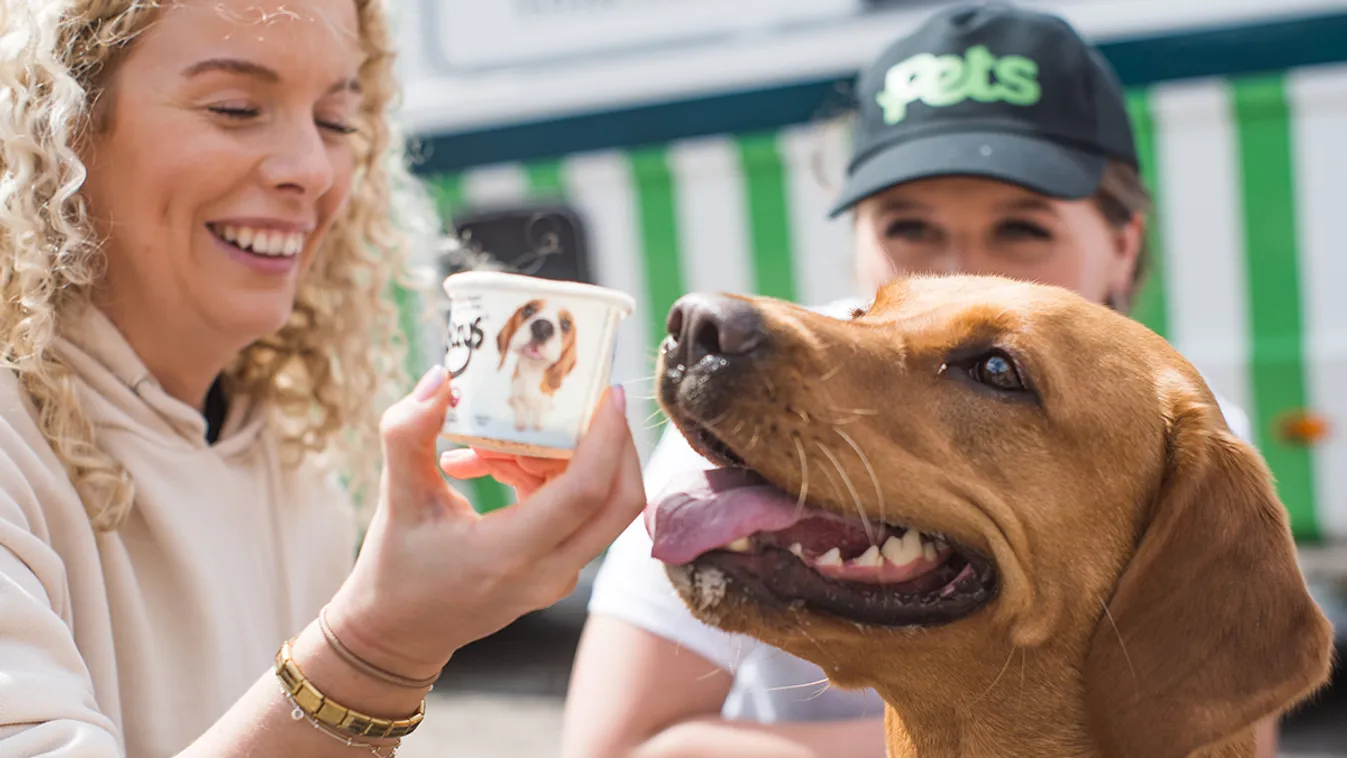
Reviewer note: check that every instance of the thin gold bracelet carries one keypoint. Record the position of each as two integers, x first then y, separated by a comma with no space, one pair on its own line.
338,717
381,751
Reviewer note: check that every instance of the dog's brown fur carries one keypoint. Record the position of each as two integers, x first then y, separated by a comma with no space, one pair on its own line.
1149,600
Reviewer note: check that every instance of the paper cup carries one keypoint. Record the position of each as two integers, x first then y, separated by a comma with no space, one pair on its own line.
528,359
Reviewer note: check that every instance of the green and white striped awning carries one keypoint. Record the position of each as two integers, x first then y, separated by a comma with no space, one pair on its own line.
1248,283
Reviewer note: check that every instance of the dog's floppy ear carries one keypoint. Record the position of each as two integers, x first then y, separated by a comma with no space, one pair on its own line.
507,333
566,363
1211,626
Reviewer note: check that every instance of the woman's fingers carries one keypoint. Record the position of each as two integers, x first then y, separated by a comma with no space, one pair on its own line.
462,464
625,503
568,502
469,463
544,467
547,468
408,431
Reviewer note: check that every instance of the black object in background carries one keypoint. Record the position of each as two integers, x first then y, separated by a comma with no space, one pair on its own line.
546,240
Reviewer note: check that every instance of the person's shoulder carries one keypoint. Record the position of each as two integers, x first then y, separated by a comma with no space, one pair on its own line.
22,444
1235,418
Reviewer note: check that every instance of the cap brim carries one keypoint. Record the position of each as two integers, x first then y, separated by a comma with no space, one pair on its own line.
1033,163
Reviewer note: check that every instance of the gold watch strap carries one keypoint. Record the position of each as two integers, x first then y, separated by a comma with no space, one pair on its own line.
335,715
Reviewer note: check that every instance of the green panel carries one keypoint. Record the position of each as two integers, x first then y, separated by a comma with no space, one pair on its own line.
1263,127
409,324
1149,305
764,179
447,189
657,225
545,180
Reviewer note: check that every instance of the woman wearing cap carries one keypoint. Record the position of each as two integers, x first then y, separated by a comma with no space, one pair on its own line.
990,140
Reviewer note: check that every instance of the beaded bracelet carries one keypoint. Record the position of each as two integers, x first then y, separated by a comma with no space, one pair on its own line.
298,714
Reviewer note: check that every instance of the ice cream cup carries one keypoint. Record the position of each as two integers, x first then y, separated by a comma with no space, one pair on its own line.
528,359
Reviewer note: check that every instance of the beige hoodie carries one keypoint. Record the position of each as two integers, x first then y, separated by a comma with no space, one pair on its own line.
134,642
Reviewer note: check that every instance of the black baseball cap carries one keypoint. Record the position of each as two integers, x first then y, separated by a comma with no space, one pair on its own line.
989,90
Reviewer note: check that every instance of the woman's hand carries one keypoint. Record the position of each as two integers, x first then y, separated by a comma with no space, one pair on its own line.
433,575
523,473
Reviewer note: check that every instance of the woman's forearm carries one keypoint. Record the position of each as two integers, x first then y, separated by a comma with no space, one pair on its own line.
262,723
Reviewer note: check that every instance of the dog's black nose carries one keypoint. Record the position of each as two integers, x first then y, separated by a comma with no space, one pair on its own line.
700,325
542,329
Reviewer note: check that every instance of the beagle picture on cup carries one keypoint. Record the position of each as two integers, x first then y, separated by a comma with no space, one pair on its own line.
541,337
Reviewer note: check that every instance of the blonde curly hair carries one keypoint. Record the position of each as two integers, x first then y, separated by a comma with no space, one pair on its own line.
326,374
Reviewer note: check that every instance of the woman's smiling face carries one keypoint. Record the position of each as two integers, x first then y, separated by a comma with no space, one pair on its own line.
219,159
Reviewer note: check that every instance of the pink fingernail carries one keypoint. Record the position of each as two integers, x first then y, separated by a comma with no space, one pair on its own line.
620,398
429,384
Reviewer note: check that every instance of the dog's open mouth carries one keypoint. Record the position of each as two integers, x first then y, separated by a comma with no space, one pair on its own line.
783,551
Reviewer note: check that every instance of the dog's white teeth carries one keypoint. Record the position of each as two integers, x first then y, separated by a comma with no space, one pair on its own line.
928,550
901,551
831,558
797,550
871,557
741,545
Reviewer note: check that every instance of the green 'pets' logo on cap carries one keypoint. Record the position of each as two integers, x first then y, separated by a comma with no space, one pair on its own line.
945,80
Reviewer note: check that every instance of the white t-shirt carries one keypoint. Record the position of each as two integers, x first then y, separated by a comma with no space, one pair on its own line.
770,685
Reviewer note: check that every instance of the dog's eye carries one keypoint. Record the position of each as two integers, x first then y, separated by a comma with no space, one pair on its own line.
529,310
565,325
997,370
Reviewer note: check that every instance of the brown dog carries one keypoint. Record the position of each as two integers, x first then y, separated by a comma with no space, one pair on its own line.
1063,552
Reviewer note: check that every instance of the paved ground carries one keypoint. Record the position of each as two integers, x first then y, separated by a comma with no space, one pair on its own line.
502,697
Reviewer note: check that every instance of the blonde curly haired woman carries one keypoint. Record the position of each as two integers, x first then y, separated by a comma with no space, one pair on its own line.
196,245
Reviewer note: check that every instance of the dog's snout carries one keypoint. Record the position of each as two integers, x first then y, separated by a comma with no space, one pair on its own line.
542,329
700,325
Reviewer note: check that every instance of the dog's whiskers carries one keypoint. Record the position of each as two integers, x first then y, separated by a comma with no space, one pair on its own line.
827,685
804,474
865,461
999,674
1121,645
653,417
1024,663
834,371
856,411
782,688
718,420
855,496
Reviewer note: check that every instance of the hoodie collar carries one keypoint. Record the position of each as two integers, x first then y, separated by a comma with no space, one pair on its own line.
126,394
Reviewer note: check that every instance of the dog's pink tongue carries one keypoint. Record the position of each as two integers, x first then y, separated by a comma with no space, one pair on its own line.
704,510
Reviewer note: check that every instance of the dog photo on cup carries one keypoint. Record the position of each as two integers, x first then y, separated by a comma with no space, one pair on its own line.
539,340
